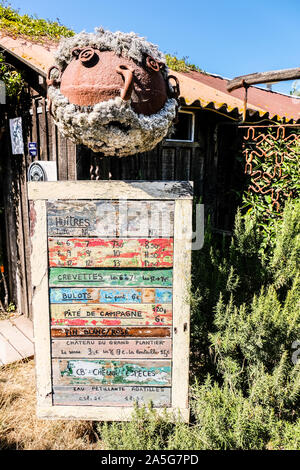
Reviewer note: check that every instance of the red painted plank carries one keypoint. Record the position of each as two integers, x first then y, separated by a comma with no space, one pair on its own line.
117,253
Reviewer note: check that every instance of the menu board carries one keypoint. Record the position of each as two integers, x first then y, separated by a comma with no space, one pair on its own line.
110,301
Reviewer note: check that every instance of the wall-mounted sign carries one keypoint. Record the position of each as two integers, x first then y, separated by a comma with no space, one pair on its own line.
32,149
110,281
2,92
42,171
16,136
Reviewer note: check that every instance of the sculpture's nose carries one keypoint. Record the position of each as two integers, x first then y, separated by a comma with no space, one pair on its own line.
127,74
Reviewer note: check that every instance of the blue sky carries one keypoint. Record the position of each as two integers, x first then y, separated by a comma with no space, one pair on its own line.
226,37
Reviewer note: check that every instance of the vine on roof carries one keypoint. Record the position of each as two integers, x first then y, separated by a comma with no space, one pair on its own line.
181,65
15,24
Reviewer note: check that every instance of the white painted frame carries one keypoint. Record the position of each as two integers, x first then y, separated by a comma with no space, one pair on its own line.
183,111
181,193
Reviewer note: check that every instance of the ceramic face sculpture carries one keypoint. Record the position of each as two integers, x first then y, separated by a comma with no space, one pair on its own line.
112,92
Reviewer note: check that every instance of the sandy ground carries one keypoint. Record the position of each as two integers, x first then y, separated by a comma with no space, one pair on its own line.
19,427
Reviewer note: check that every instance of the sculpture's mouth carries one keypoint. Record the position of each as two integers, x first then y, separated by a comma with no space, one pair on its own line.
119,125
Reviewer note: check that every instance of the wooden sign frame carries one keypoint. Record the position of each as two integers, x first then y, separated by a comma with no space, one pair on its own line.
39,195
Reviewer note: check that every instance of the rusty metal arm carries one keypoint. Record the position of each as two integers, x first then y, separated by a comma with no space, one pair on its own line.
263,77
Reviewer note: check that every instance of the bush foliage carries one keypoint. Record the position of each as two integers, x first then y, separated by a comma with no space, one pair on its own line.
245,391
12,79
181,65
15,24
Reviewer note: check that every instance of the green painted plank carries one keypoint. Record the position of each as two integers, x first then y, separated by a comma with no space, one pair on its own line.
110,372
81,277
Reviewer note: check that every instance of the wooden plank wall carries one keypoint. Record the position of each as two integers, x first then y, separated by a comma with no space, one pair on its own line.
16,224
40,128
169,161
52,146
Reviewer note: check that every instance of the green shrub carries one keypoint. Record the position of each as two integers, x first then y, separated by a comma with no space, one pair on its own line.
181,65
38,29
145,431
12,78
227,420
245,317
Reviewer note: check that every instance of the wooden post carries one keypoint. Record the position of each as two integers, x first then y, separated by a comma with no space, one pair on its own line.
263,77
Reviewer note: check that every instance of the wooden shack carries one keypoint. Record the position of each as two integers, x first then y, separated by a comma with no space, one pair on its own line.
205,149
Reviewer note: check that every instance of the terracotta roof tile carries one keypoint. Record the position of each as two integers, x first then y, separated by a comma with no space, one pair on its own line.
39,56
212,89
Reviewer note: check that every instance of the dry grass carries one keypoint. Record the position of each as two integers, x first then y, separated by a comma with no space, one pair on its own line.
19,427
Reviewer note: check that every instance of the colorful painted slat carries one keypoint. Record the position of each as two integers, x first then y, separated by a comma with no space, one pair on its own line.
111,332
111,315
84,277
107,372
110,218
112,348
111,253
93,295
118,395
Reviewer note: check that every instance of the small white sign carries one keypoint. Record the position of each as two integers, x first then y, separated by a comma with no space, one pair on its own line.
16,136
2,92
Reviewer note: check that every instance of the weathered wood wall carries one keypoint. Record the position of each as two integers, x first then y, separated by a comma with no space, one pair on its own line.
38,126
170,161
16,226
52,146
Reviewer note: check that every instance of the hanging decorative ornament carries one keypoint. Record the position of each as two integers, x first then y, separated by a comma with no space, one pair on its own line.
112,92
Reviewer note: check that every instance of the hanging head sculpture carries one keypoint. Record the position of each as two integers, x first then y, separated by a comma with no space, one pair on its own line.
112,92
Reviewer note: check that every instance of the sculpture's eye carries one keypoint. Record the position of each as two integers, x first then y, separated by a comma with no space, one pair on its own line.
88,57
152,64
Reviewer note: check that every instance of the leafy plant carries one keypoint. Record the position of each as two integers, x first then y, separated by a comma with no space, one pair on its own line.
11,77
146,430
15,24
245,391
181,65
11,307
